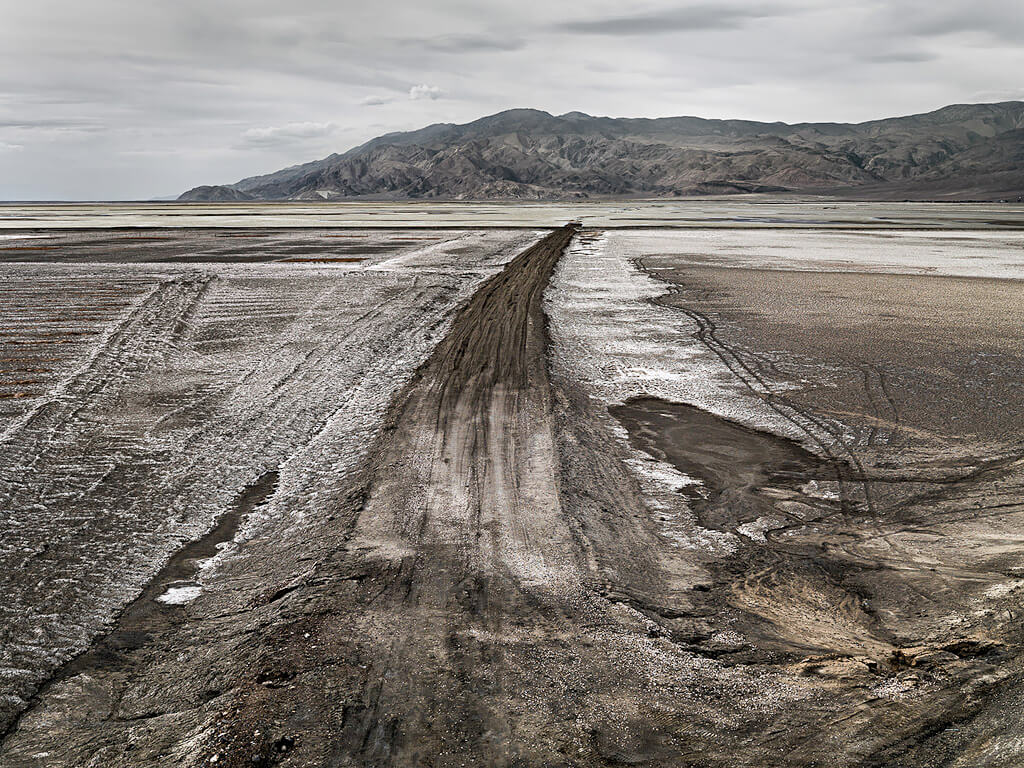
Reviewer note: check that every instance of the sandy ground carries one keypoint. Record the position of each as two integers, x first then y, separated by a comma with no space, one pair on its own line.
730,211
626,498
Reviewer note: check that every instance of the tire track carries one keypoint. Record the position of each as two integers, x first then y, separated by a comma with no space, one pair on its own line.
451,531
826,437
458,529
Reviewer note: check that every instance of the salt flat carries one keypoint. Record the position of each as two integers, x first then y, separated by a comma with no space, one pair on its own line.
750,212
715,482
137,401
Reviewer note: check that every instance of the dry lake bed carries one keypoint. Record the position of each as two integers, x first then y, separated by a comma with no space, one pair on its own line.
689,483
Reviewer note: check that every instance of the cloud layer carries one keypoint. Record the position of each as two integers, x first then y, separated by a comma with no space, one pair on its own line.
108,99
289,133
678,19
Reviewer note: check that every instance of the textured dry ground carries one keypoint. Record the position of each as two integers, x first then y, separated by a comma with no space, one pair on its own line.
160,393
462,566
908,387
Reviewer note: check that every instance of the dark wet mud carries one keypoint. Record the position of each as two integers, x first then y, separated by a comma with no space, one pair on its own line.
742,471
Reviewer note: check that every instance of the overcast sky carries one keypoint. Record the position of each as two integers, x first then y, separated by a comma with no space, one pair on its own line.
134,99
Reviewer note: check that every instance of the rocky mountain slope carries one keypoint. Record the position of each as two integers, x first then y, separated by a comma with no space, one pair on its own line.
966,151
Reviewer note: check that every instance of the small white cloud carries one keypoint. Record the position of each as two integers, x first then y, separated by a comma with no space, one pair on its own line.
375,101
424,91
5,147
288,133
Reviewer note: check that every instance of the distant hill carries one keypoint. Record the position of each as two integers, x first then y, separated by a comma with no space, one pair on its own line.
965,151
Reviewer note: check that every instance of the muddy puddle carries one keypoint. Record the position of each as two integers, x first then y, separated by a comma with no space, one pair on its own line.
777,602
746,475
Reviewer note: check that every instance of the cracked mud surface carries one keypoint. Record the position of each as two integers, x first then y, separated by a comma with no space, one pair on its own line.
508,535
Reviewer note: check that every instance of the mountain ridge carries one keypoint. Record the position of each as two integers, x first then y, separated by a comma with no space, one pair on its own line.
961,151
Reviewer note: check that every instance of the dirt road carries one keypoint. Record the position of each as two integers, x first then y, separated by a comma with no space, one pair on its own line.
447,580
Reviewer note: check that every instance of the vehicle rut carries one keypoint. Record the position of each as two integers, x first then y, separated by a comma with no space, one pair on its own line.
457,530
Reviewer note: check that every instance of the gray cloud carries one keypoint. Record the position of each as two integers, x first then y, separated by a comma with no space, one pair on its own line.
900,57
1000,20
692,18
291,133
56,124
472,43
109,99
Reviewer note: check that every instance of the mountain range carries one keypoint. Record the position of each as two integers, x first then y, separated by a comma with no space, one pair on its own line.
960,152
